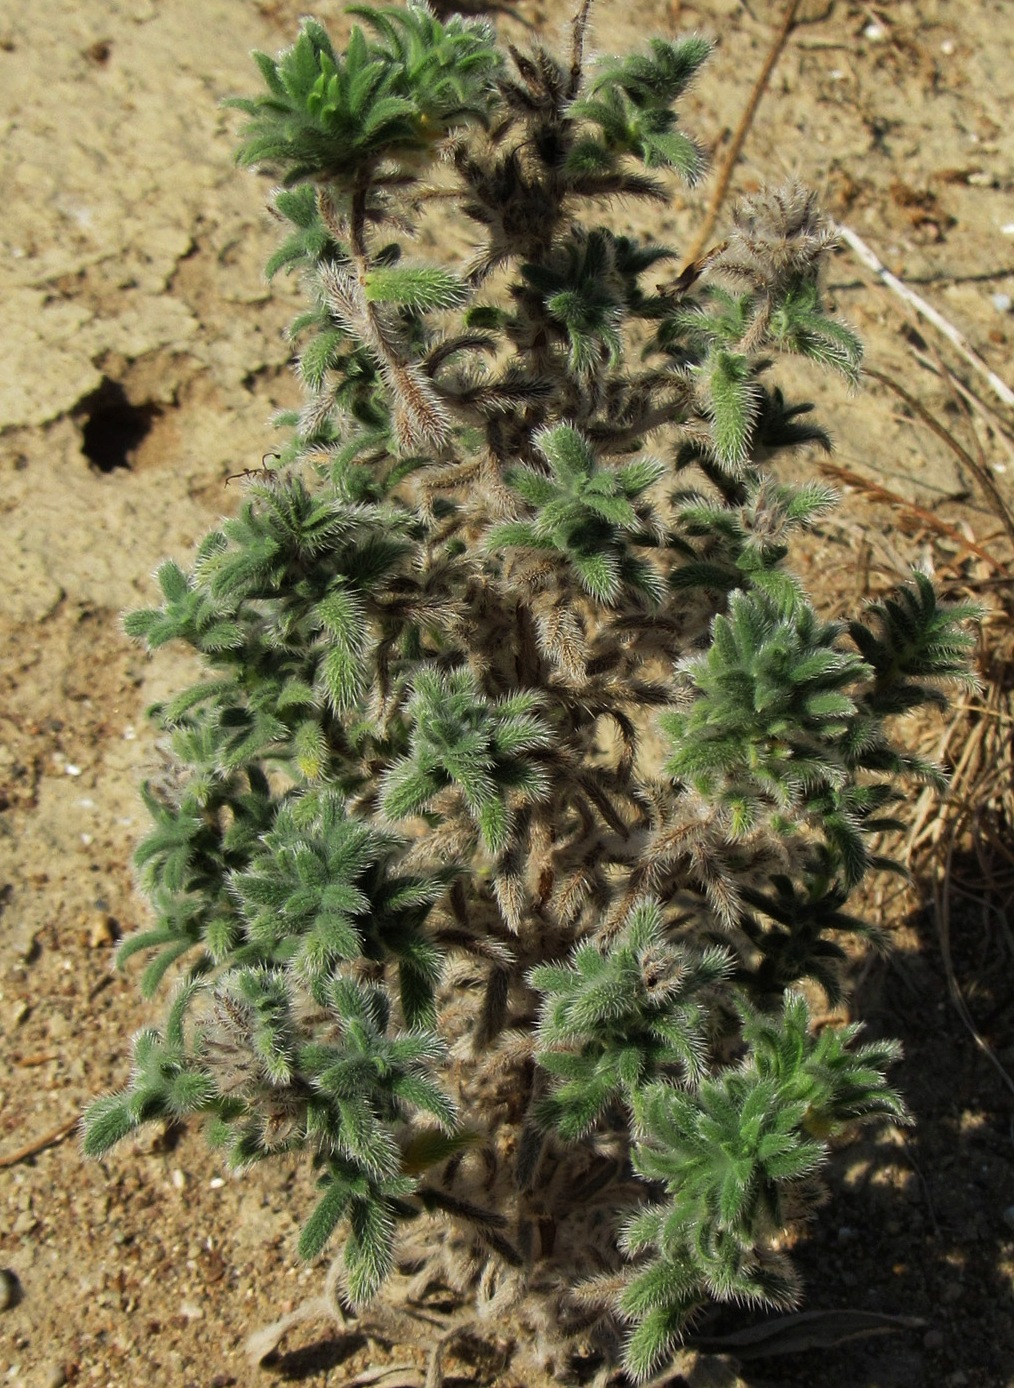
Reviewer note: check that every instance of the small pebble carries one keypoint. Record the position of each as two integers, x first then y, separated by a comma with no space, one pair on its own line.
947,47
8,1289
54,1377
152,1138
874,32
1002,303
24,942
103,931
216,1183
58,1027
179,1179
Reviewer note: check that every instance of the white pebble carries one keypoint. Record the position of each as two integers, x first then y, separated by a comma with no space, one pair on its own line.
216,1183
1002,303
72,770
179,1179
947,47
1008,229
874,32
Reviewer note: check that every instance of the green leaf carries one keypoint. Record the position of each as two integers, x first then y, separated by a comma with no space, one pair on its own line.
423,289
107,1121
327,1213
656,1336
369,1252
734,401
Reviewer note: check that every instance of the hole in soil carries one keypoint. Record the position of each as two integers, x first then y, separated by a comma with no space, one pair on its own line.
113,428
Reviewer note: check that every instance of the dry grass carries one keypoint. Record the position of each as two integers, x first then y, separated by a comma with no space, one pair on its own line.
963,849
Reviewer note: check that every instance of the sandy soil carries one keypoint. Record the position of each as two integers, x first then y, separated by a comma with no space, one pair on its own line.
144,357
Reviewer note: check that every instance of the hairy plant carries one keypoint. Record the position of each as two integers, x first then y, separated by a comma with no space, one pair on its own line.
430,926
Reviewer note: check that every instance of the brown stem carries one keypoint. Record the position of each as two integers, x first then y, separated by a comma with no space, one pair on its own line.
739,136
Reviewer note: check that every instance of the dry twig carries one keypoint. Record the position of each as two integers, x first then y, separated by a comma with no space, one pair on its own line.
875,492
981,473
925,310
39,1144
732,154
980,805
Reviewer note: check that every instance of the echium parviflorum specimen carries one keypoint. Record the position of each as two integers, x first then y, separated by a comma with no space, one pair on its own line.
532,1002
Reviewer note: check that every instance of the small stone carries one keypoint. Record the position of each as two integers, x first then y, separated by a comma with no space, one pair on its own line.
24,939
1003,303
53,1377
151,1139
19,1012
103,931
179,1179
25,1223
58,1027
8,1289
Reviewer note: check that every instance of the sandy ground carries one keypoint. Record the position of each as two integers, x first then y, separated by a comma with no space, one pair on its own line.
143,359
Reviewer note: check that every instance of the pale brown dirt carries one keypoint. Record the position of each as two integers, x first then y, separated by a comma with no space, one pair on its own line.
138,329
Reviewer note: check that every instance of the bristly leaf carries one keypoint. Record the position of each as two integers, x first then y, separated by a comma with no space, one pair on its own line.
734,401
107,1121
325,1218
423,289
